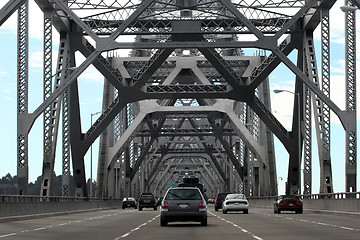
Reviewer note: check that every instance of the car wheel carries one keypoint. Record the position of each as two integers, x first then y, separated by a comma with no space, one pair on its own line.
204,222
123,207
163,222
135,207
155,208
246,211
224,211
216,209
140,208
278,211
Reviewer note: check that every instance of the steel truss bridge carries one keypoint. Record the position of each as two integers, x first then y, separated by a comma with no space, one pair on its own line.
187,100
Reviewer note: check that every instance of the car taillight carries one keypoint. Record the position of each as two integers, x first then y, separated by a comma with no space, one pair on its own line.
202,205
164,205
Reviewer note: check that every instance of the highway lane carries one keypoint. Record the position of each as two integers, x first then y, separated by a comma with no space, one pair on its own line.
129,224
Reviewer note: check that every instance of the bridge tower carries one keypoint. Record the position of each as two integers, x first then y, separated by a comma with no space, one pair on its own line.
188,98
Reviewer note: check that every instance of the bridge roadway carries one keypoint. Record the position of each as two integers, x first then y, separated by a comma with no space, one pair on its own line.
116,224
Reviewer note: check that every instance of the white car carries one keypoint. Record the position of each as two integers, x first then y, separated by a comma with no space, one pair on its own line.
235,202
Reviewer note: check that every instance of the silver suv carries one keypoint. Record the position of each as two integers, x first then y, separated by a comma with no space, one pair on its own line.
183,204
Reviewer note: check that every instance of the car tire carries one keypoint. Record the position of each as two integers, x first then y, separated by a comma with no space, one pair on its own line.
204,222
163,222
155,208
278,211
140,208
216,209
246,211
123,207
224,211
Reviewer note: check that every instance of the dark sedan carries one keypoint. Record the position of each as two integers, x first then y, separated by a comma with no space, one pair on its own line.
129,202
288,203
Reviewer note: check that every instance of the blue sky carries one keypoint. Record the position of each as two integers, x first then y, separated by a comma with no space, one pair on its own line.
91,83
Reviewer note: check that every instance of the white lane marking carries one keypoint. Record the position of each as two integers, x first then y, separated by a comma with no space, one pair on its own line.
347,228
58,225
38,229
318,223
137,228
8,235
237,226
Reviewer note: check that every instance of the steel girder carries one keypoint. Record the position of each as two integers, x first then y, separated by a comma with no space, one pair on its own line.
350,77
309,12
22,98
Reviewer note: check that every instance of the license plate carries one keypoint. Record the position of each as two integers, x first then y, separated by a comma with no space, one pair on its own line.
183,206
146,201
290,205
236,203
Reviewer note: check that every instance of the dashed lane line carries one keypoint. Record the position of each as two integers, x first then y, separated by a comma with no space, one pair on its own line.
57,225
237,226
315,222
137,228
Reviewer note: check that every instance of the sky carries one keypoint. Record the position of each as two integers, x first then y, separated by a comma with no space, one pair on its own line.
91,86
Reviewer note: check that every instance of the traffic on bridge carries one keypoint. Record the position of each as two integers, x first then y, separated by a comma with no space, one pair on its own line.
198,96
128,224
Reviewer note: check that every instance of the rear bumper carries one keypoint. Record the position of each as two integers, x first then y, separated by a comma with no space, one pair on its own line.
184,216
239,207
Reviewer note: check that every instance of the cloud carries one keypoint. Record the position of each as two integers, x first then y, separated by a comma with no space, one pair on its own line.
91,74
36,23
9,98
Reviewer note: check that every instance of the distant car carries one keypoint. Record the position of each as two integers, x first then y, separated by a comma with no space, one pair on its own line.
147,200
288,203
129,202
210,201
183,204
235,202
158,202
219,200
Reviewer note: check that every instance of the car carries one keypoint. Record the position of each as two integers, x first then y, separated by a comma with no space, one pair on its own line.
210,201
129,202
183,204
219,200
147,200
288,203
158,202
235,202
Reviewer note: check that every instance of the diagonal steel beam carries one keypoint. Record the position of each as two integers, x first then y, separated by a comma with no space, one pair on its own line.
304,79
8,9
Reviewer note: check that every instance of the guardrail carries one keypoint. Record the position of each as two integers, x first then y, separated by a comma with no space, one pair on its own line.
332,202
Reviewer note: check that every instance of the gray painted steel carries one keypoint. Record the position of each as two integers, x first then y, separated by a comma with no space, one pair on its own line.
163,108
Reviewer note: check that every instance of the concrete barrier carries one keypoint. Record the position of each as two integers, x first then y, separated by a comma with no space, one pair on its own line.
332,202
15,206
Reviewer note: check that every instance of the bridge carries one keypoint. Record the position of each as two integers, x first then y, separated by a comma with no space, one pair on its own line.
192,96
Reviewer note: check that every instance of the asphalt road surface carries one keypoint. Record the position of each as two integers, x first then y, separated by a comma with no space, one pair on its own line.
130,224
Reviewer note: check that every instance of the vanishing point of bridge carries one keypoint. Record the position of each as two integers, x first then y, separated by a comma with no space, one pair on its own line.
187,100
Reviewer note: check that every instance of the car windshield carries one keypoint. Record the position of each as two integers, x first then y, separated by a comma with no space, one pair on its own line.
183,194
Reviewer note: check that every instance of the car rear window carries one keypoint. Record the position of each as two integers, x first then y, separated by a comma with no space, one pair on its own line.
183,194
147,196
236,197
